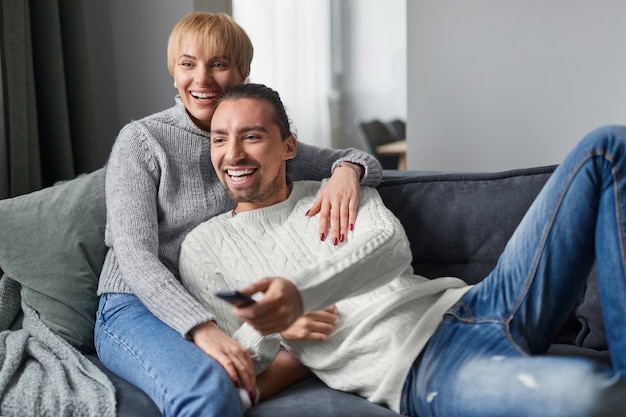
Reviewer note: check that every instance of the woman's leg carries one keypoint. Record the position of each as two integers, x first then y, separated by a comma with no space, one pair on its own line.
519,307
179,377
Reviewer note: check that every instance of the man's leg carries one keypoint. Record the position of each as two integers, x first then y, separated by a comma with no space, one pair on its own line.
180,378
519,307
579,214
472,370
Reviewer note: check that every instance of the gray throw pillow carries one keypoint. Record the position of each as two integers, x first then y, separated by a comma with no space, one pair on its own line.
52,243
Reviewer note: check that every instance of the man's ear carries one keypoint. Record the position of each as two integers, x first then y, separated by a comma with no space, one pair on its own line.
291,147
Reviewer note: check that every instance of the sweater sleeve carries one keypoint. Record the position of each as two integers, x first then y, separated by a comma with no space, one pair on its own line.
132,183
378,252
262,349
314,163
202,278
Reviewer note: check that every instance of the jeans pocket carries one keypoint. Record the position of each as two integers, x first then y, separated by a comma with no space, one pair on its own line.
110,304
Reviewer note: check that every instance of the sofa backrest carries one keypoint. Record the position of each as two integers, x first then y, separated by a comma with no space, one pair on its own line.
459,223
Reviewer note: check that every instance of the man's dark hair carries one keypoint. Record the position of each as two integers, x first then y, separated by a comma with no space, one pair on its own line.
261,92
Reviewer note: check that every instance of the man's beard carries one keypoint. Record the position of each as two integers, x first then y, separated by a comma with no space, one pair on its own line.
254,191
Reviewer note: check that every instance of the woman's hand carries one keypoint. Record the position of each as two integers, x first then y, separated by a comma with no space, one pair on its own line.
338,202
233,357
315,326
279,308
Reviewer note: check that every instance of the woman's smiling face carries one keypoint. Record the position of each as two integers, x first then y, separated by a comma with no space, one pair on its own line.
200,78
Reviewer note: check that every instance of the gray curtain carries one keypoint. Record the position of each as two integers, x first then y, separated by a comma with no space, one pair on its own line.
48,108
4,171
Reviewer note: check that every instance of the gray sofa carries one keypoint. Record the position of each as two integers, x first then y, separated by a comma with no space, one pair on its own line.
457,223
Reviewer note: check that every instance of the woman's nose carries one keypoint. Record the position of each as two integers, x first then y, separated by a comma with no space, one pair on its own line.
203,76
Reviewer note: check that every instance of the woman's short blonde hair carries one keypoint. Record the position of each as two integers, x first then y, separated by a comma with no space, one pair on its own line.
217,33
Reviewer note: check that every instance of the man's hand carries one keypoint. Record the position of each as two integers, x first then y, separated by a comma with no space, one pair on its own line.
280,307
338,203
233,357
315,326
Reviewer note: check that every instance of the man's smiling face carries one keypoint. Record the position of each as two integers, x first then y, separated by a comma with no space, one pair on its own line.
249,154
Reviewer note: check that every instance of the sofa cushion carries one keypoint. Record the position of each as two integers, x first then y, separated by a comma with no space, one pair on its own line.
52,243
311,398
592,335
131,401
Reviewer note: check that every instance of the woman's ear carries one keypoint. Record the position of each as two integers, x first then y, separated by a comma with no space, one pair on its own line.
291,147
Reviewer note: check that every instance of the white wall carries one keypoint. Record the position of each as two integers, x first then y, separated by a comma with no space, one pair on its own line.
496,85
373,80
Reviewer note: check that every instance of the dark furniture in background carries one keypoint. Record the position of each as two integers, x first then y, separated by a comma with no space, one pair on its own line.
377,133
397,128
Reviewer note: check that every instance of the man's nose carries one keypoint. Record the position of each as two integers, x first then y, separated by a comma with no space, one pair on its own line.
235,151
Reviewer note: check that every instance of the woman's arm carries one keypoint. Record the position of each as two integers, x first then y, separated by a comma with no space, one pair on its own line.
314,163
337,204
132,187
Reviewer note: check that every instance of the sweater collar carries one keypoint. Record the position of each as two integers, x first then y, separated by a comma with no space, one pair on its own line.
284,208
185,119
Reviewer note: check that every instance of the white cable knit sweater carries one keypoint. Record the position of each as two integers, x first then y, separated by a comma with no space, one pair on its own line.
387,314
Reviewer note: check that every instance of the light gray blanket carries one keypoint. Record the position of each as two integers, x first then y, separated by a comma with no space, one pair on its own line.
40,373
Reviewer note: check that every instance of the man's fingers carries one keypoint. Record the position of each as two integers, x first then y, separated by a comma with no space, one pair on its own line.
323,316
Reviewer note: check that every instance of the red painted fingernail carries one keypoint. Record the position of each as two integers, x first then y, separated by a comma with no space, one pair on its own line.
307,212
237,384
342,237
322,236
335,241
351,226
252,396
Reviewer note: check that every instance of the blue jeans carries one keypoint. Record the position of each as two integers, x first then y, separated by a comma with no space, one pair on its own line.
486,357
180,378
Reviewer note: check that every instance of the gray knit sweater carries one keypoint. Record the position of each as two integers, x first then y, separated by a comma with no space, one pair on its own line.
160,184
